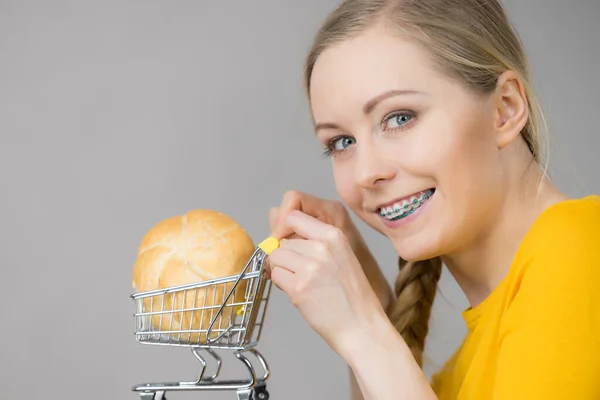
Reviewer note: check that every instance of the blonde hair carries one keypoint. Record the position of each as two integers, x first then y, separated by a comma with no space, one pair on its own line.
470,41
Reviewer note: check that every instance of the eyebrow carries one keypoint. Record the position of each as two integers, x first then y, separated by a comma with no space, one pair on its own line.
370,105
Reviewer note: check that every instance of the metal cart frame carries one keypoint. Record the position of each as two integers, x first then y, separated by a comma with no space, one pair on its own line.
207,316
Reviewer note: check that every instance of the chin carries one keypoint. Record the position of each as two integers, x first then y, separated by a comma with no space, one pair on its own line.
414,250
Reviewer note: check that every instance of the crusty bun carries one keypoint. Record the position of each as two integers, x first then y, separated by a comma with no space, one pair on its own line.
195,247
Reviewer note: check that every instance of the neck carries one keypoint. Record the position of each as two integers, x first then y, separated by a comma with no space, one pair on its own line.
479,267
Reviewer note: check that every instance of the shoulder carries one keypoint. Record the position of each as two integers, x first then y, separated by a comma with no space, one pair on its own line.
550,329
565,228
562,249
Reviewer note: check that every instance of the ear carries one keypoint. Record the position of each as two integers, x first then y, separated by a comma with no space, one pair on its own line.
511,110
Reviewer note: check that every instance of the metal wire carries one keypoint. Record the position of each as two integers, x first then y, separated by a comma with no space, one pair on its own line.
223,313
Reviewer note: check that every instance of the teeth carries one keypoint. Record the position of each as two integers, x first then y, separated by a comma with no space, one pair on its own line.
405,206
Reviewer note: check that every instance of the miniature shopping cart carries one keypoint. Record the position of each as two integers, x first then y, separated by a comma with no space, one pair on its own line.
225,313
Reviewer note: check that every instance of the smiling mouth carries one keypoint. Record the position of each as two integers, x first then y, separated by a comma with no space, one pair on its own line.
405,207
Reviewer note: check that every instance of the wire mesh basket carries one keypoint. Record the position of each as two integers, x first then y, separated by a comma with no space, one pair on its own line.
224,313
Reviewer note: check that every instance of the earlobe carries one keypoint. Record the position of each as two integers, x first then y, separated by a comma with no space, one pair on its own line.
511,108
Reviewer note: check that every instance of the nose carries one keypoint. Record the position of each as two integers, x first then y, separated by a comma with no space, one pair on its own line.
374,167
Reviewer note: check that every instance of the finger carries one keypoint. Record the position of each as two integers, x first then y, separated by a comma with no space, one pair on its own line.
311,228
308,248
287,259
297,200
269,265
283,279
291,201
267,268
273,213
273,217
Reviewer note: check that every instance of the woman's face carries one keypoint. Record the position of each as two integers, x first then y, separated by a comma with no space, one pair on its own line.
407,142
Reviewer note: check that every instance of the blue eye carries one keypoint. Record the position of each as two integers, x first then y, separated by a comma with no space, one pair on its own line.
343,143
338,145
397,120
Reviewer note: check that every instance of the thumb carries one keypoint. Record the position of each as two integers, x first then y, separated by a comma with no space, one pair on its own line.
279,228
273,217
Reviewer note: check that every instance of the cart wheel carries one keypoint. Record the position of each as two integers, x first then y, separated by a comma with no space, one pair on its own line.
260,393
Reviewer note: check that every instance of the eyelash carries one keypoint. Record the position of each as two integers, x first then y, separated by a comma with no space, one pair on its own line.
331,151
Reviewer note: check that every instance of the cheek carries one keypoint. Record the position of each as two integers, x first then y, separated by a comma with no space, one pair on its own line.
463,156
469,175
346,186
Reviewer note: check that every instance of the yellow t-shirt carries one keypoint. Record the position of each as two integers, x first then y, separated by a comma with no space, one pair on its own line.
537,335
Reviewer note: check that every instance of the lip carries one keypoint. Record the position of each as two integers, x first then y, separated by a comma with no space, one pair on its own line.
409,218
399,199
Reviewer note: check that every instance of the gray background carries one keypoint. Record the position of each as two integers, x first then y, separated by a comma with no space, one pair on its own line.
116,114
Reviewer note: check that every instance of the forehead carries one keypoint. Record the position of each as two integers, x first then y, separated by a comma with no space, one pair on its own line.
355,70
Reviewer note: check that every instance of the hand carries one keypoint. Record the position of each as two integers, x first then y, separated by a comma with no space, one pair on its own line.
335,214
321,275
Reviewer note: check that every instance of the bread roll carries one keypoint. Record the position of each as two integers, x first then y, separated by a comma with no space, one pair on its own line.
195,247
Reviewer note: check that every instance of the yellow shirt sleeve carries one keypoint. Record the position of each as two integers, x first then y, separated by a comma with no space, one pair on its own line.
550,339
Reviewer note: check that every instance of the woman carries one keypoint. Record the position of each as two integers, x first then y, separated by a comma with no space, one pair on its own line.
427,112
